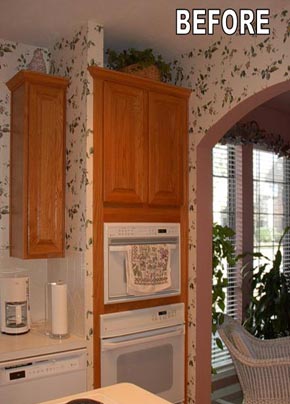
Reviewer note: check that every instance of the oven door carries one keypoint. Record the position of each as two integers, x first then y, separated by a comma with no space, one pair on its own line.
153,360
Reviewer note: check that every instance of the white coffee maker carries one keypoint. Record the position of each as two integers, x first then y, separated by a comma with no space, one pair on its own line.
14,304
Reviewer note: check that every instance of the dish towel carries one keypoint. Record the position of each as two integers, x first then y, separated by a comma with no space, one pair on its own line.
148,268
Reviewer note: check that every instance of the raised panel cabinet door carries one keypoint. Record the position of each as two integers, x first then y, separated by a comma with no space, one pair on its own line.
45,171
167,128
124,140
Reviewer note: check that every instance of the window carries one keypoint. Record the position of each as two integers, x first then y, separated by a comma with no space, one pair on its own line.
269,178
225,159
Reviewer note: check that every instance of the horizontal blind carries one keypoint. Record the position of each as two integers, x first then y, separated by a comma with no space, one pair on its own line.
227,163
271,175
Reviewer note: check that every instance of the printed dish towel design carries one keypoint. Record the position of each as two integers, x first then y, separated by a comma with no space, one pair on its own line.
148,268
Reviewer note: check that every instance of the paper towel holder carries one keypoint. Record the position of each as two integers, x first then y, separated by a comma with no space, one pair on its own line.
56,313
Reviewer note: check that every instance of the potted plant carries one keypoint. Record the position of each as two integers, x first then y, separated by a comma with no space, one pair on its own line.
142,63
223,254
268,314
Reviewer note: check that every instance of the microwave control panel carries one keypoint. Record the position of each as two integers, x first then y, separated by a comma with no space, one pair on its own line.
119,230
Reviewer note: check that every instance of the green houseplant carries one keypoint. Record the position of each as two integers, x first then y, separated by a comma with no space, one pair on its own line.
268,314
223,254
138,60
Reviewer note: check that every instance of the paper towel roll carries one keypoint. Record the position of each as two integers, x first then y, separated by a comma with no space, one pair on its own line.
58,309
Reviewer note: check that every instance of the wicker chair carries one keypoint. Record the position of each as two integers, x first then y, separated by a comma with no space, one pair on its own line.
263,366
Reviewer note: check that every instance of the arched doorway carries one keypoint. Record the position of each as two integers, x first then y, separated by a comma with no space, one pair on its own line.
204,232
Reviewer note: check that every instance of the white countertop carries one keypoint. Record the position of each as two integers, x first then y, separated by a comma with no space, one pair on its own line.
122,393
35,343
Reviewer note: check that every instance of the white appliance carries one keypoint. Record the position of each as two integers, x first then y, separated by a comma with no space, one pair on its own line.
41,378
145,347
15,306
117,237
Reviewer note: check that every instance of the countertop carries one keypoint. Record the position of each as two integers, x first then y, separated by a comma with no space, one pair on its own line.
122,393
35,343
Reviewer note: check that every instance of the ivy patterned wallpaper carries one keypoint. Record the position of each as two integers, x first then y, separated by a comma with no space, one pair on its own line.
221,76
70,57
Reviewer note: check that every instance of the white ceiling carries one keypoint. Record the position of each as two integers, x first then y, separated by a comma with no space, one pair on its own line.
139,23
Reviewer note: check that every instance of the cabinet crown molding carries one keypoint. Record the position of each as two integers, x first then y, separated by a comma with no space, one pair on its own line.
35,77
141,82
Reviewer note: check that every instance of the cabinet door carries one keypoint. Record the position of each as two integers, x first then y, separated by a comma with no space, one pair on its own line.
167,128
45,171
124,141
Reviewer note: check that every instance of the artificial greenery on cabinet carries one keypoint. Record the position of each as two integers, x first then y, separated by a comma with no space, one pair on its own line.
139,60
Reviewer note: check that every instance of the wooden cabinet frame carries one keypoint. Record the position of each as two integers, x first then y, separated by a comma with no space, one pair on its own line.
133,212
37,165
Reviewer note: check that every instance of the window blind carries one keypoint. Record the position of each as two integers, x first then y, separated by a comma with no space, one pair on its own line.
271,175
227,188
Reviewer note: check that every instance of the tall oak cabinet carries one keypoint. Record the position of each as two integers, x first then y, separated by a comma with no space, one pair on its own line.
140,169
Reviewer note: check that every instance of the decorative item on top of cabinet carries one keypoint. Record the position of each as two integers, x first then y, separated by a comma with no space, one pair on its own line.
37,166
142,129
142,63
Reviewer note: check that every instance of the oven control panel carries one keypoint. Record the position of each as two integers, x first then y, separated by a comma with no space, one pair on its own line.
151,318
163,315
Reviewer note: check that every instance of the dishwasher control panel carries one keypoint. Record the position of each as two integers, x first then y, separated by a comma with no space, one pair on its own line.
34,370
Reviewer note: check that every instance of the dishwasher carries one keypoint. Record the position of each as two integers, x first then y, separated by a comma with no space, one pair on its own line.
42,378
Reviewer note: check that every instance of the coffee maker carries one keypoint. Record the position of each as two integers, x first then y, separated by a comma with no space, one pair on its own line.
14,304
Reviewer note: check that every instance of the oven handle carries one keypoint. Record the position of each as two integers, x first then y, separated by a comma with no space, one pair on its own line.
108,346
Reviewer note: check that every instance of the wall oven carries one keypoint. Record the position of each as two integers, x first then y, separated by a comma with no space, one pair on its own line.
145,347
141,261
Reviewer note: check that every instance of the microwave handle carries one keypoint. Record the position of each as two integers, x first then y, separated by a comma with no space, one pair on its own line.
124,248
108,346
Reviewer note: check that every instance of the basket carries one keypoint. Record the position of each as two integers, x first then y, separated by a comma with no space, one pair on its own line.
149,72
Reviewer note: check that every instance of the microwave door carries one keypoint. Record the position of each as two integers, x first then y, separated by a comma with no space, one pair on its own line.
117,274
115,285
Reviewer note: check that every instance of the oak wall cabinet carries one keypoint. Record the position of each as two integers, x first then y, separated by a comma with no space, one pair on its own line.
37,166
143,129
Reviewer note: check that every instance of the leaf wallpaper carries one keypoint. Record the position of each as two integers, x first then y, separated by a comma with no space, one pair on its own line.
70,57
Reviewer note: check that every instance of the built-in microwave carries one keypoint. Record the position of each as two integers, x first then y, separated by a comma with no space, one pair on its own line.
141,261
